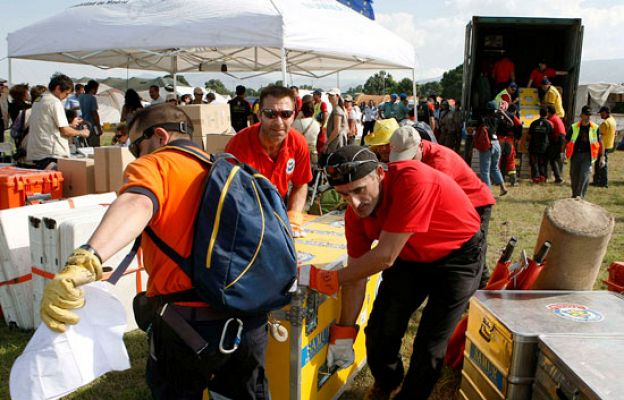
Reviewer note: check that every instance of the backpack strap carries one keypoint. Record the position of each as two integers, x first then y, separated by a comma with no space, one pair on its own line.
123,265
192,150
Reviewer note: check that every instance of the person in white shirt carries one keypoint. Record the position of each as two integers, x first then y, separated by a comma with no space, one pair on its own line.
154,93
49,130
310,128
370,116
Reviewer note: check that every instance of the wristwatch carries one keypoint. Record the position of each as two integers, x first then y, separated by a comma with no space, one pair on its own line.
91,250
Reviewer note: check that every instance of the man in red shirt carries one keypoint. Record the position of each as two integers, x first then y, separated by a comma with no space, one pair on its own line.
542,70
277,151
556,144
406,144
429,246
503,72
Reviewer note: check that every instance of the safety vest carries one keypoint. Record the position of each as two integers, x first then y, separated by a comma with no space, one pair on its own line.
594,145
499,97
317,112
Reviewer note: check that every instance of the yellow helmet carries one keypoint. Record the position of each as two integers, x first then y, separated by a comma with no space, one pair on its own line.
384,128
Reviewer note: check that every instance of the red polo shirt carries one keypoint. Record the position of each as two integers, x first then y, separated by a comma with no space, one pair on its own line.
503,70
292,163
537,76
445,160
419,200
558,126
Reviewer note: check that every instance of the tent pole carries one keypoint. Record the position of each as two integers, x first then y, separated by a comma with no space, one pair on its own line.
414,92
338,79
10,72
284,67
174,66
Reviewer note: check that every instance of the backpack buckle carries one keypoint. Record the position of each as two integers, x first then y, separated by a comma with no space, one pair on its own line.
237,339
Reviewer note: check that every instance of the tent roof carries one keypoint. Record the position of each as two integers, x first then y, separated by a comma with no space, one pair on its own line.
319,36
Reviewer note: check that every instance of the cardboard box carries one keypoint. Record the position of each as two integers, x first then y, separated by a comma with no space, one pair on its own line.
209,118
79,175
110,163
213,143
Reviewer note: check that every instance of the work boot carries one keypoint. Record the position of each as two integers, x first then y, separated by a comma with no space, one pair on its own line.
377,393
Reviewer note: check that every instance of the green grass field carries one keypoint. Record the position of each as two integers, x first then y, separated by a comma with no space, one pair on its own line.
519,213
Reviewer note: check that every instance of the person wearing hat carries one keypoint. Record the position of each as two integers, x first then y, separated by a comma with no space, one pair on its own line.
402,107
583,148
379,141
489,170
240,110
607,133
543,71
407,144
428,247
390,109
171,99
337,123
508,95
552,97
450,127
352,117
321,114
4,107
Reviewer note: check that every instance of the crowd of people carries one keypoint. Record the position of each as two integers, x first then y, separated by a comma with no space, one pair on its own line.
406,185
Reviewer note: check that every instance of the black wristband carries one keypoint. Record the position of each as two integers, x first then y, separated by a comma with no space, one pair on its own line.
91,250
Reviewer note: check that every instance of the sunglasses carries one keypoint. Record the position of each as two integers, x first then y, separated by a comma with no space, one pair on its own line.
149,132
341,171
272,114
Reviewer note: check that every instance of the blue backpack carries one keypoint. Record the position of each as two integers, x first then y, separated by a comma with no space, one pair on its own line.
243,256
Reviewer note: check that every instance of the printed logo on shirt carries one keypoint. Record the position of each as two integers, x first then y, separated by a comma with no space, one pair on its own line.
290,166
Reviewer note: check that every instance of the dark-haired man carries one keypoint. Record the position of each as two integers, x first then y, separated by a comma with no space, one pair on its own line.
49,129
583,148
429,246
240,110
156,194
72,102
154,94
89,112
277,151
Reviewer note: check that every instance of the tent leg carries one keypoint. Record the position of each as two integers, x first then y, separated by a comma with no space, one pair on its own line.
284,72
414,92
174,68
338,79
10,72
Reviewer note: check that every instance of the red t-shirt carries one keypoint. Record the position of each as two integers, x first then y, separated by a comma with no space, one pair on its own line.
292,163
503,70
419,200
445,160
558,126
537,76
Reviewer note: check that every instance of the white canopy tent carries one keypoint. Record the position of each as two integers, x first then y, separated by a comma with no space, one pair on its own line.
303,37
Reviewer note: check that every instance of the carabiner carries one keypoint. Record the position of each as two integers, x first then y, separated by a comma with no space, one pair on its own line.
237,340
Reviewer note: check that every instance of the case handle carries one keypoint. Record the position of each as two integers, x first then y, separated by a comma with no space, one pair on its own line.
486,330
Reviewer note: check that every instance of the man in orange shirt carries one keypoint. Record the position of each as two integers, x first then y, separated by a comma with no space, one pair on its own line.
277,151
162,193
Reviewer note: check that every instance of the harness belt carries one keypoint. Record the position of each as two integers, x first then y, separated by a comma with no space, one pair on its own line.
183,329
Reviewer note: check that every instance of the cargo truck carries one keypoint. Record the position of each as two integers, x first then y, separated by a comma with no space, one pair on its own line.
525,41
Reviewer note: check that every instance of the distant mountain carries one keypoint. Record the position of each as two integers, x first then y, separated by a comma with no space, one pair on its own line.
605,71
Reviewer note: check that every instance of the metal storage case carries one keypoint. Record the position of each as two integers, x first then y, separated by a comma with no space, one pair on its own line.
580,367
297,369
503,328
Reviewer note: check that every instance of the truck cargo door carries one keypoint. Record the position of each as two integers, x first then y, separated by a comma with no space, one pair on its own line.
468,71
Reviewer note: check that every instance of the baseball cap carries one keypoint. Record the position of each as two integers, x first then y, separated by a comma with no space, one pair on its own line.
334,91
2,80
545,81
393,96
404,144
586,110
198,90
513,85
491,105
605,109
382,132
170,97
403,96
350,163
348,97
317,92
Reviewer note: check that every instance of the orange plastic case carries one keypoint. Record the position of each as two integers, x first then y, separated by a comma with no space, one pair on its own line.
19,186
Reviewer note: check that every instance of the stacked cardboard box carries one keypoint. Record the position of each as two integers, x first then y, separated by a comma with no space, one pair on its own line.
79,175
211,125
110,163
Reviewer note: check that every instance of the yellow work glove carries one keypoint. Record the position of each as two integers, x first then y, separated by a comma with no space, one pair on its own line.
296,223
63,293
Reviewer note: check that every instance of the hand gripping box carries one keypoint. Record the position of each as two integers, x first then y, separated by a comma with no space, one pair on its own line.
579,366
297,369
501,352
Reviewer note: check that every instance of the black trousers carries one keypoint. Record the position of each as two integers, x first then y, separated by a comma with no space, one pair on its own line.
485,213
538,165
368,128
175,372
553,157
448,284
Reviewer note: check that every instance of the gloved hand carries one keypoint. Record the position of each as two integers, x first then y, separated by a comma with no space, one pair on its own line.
340,352
602,163
322,281
62,293
296,223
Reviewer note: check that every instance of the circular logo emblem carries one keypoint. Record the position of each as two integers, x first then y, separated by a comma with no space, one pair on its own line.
290,166
575,312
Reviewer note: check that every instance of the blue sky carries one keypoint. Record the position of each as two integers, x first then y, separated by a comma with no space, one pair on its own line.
435,29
